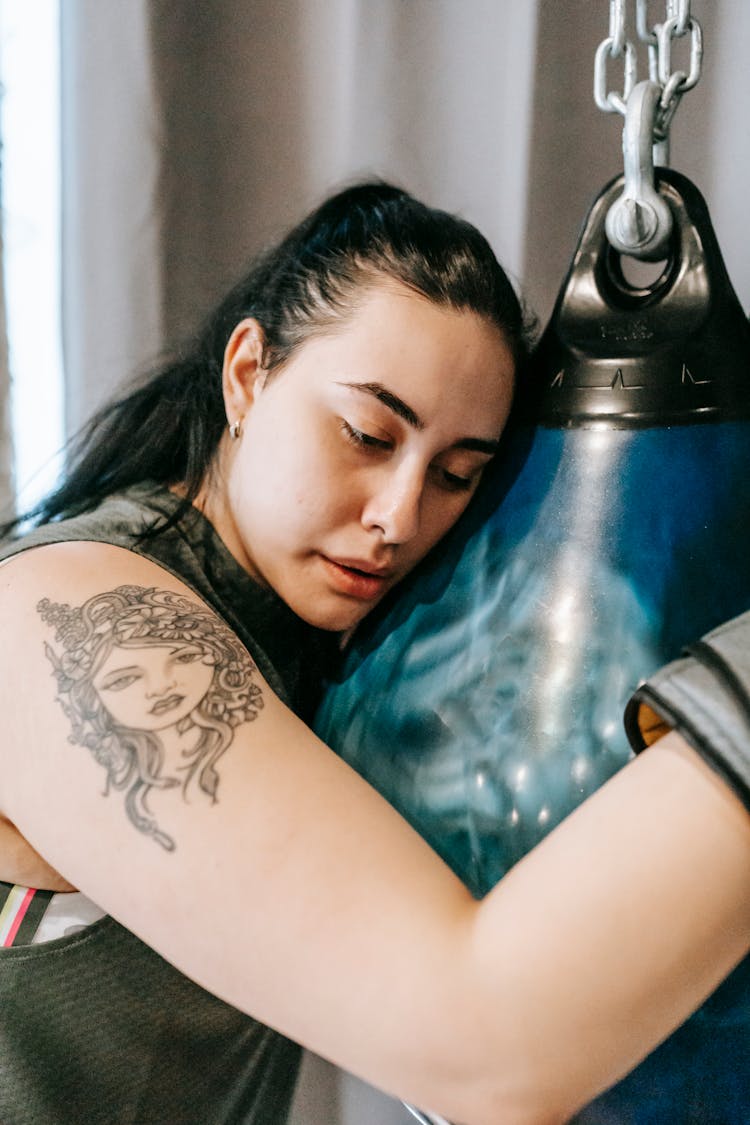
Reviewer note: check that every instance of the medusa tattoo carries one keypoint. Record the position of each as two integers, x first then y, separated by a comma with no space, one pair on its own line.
154,686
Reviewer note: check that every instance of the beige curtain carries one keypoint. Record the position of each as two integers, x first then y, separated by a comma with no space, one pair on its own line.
6,441
110,215
193,132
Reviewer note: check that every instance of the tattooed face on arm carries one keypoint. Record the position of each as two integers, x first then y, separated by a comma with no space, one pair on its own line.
154,686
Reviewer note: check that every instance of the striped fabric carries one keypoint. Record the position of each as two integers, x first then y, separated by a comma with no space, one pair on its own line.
21,911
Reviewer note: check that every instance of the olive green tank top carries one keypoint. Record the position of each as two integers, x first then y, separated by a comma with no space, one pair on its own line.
96,1027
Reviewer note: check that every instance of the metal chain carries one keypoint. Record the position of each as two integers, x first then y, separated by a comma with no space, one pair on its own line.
639,222
658,37
615,46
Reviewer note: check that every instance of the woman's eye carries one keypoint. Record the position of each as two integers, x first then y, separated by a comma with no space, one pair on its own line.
119,683
361,439
456,483
453,482
188,656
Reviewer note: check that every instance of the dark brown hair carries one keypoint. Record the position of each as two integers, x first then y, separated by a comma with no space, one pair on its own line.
167,429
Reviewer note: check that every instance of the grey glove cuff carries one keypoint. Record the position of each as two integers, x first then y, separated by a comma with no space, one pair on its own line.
706,697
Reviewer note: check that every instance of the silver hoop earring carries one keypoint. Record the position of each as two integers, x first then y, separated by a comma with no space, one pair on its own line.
235,429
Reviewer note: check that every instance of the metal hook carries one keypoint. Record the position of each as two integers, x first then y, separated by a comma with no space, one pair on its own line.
639,223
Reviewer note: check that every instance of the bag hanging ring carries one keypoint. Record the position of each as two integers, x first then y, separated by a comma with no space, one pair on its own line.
639,223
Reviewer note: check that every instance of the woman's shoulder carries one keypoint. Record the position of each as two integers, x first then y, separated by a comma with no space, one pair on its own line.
152,522
122,519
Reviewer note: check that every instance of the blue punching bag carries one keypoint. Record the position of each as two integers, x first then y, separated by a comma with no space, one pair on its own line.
485,700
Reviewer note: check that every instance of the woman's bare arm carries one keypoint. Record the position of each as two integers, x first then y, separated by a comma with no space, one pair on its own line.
19,863
349,935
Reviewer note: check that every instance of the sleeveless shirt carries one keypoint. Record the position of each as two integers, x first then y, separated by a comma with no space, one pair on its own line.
96,1027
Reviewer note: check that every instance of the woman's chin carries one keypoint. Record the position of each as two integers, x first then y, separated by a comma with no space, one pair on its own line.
334,615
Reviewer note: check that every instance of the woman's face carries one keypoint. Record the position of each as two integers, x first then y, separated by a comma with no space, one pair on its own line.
361,453
152,687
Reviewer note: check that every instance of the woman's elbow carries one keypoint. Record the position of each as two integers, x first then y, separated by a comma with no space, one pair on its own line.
490,1103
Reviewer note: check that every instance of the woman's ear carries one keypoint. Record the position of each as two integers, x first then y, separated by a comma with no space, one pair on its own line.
243,373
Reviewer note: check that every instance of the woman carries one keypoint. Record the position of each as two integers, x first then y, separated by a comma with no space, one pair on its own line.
328,428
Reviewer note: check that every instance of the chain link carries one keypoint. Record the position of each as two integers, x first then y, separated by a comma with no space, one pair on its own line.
679,10
658,38
617,28
666,35
609,100
648,36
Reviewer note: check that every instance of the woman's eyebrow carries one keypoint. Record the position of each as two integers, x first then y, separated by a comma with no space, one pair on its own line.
120,671
478,445
393,402
403,410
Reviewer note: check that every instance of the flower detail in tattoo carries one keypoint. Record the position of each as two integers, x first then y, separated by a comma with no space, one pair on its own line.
154,686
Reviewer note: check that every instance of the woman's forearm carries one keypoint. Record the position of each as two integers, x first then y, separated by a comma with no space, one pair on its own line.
627,917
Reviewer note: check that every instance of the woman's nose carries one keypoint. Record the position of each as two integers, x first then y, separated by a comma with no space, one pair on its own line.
393,508
161,683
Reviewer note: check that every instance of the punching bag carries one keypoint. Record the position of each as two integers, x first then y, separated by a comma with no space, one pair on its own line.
485,699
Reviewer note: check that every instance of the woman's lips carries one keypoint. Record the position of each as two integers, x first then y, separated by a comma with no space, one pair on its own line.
356,578
162,706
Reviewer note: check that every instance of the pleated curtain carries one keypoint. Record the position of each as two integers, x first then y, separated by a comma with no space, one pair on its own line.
6,440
